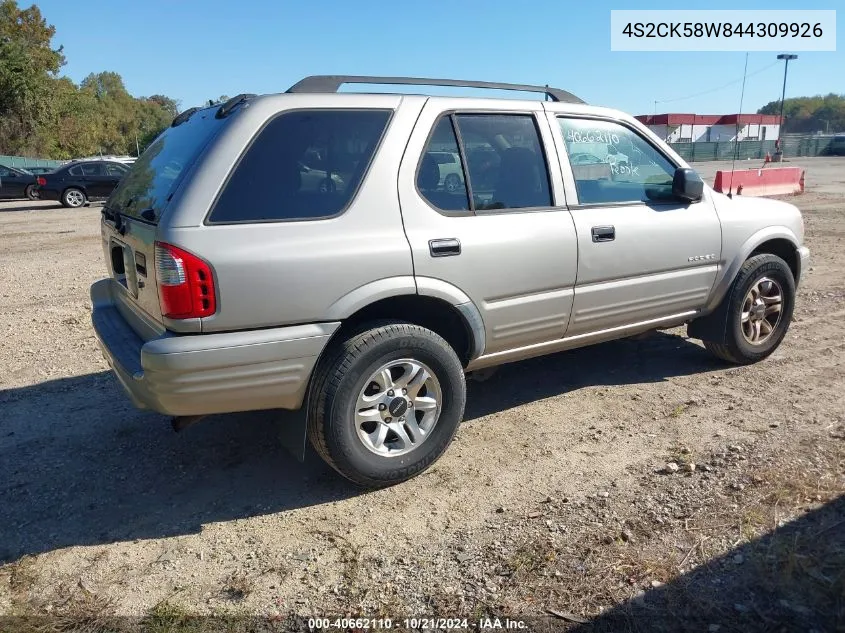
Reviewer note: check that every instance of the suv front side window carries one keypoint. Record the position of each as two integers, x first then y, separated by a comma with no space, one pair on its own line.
611,163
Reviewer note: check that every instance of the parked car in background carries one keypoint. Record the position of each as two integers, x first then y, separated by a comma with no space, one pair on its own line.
837,145
451,172
317,180
111,157
17,183
77,182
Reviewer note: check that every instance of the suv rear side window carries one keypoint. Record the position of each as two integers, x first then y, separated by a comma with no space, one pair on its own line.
302,165
503,158
440,182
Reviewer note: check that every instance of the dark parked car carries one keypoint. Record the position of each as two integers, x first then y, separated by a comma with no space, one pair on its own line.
78,182
17,183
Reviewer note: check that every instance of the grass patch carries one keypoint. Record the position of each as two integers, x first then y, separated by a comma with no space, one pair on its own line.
166,617
678,411
350,559
530,558
22,575
238,586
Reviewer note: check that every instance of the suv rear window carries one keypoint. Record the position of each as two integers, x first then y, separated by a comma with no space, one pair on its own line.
303,165
154,176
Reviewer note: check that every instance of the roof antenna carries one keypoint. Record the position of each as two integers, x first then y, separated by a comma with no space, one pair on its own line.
736,136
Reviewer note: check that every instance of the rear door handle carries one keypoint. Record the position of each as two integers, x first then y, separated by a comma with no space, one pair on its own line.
444,247
603,233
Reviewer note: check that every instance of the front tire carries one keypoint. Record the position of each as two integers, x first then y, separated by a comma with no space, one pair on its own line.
759,309
73,198
387,402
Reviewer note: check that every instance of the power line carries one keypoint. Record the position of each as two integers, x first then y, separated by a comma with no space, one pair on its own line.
727,85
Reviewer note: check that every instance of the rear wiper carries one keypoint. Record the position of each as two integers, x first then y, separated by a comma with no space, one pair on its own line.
230,105
119,223
116,217
183,116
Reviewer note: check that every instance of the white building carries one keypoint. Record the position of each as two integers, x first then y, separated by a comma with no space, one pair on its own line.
687,128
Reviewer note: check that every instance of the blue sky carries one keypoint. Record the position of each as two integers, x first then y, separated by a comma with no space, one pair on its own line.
193,51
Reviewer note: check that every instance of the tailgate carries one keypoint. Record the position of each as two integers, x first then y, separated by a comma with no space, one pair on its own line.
129,249
133,212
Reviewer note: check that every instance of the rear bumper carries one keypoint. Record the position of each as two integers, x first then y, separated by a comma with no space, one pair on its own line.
207,373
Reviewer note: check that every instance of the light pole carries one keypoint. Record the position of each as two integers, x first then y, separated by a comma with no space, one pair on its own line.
786,57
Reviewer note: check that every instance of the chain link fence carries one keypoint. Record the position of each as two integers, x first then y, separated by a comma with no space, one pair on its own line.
793,145
24,163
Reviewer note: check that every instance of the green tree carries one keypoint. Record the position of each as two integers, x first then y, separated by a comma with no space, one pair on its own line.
810,114
170,106
28,63
70,127
42,114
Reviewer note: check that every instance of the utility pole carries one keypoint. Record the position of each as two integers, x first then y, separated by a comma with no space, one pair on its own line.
786,57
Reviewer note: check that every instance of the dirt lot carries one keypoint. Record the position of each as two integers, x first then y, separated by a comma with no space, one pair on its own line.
552,498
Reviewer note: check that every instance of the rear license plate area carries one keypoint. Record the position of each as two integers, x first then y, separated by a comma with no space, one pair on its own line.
123,266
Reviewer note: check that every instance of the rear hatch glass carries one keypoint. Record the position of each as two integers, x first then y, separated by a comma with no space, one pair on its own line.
144,191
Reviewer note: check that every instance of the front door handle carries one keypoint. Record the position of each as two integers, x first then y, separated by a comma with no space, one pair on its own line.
444,247
603,233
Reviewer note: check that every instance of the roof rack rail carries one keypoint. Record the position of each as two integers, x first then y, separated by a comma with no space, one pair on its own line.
331,83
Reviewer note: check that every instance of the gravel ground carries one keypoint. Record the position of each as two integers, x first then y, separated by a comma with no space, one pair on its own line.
554,496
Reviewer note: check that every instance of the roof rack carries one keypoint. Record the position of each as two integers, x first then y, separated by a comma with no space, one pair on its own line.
331,83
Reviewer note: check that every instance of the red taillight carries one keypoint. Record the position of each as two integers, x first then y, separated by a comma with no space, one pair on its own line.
41,181
185,283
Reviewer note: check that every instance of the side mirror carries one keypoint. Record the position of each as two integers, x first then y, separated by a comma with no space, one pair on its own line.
687,185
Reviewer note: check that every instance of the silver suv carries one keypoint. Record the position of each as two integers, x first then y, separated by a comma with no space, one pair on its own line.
236,283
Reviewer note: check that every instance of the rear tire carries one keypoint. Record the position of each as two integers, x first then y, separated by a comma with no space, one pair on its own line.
31,192
387,402
73,198
759,309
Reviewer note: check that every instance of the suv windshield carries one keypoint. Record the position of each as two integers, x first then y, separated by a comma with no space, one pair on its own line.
154,176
